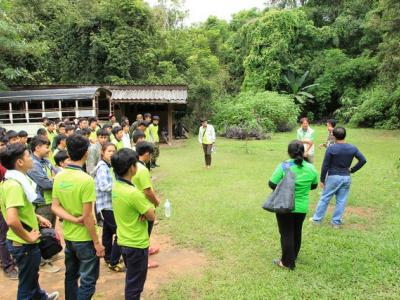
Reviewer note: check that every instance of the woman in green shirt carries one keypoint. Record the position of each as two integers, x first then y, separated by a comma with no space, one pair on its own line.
290,224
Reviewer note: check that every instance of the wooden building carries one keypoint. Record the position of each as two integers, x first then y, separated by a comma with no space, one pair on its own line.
23,107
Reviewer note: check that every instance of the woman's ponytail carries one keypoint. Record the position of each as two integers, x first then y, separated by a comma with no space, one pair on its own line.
296,152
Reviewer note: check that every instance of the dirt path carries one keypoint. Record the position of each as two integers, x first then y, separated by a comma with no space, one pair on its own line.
174,262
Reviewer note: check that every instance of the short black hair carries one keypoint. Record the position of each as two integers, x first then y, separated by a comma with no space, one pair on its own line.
339,133
11,134
11,154
69,128
50,122
144,147
102,132
77,146
137,135
116,129
3,139
38,140
61,124
332,122
41,131
81,120
60,157
59,138
92,119
107,126
84,131
143,123
22,133
2,131
123,160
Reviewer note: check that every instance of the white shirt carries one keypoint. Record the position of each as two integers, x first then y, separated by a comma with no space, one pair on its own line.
126,141
209,133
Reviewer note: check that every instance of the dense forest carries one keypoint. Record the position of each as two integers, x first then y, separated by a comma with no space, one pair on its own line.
262,70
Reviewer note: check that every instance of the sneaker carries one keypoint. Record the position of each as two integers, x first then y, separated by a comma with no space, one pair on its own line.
312,221
53,296
48,267
11,273
117,268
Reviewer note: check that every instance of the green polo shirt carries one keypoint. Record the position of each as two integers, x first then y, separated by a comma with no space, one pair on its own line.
128,205
305,176
47,194
73,187
147,134
142,178
153,133
51,136
12,195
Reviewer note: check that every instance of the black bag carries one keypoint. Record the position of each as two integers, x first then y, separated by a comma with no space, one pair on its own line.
281,200
50,243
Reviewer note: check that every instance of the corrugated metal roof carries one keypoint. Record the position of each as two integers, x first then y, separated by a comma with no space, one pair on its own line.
151,95
48,94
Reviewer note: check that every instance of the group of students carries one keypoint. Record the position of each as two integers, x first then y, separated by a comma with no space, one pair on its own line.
92,172
335,180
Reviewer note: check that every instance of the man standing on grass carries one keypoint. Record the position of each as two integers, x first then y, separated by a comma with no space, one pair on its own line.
335,177
155,140
73,198
23,234
330,140
132,213
207,139
305,134
142,181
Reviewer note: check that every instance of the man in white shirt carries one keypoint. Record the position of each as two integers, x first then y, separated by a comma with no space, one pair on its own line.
306,135
207,139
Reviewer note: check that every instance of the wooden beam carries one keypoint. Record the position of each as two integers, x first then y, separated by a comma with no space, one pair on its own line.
27,111
170,124
10,112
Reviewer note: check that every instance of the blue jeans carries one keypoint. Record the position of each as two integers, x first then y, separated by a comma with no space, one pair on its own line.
80,261
27,258
334,185
136,271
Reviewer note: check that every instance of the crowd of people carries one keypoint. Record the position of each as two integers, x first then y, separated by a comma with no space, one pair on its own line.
80,174
335,180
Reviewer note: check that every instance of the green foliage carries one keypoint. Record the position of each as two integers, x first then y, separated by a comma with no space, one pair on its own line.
262,111
297,88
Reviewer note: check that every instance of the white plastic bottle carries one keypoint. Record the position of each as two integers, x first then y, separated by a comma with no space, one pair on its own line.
167,209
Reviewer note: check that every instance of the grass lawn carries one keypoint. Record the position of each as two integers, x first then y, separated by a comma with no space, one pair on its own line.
218,212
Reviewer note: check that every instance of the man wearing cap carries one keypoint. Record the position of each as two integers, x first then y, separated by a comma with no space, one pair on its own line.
155,140
207,139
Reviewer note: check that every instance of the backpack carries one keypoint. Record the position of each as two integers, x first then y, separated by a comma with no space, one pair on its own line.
281,200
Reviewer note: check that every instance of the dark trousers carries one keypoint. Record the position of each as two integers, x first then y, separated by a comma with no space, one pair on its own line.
27,258
290,227
109,238
150,225
80,262
136,261
5,258
207,153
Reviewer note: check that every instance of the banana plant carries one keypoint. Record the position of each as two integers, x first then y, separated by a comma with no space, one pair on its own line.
296,88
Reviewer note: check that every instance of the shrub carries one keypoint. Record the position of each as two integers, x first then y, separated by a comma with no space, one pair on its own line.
254,114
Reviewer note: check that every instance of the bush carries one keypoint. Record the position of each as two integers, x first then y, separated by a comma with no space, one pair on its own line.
254,114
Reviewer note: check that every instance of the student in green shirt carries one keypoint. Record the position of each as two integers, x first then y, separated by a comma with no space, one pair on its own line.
93,129
116,137
155,139
60,143
290,224
51,131
131,210
73,198
17,209
142,180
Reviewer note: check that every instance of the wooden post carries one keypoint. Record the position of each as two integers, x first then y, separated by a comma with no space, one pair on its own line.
11,113
43,109
76,109
27,111
170,124
60,109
